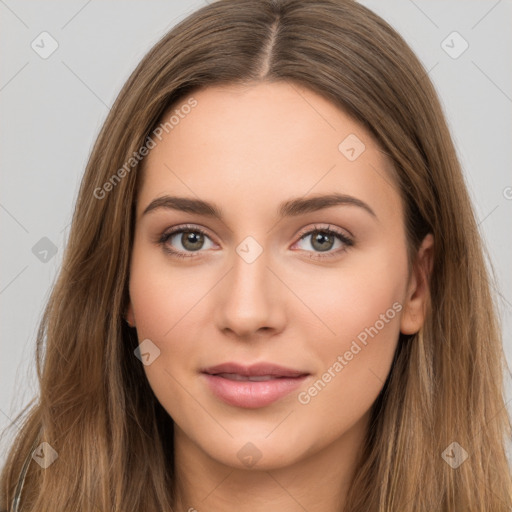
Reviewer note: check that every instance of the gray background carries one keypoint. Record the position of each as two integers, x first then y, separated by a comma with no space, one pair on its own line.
52,109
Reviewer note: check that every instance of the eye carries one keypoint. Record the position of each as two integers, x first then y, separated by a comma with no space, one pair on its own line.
190,238
323,239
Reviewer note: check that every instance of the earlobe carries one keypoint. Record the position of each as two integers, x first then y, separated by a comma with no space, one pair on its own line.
418,290
129,316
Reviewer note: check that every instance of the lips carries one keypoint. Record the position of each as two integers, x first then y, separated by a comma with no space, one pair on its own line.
252,386
253,378
255,370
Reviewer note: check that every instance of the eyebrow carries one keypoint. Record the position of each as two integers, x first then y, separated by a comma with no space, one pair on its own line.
291,208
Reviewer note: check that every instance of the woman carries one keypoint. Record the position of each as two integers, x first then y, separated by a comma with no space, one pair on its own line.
203,353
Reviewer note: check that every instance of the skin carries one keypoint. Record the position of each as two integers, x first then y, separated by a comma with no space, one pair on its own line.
247,149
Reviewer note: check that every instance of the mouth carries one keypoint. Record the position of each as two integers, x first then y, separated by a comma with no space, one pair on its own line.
254,378
253,386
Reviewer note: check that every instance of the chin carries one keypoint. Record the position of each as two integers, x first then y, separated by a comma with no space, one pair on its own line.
258,451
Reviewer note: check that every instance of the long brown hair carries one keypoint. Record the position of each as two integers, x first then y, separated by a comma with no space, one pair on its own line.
96,409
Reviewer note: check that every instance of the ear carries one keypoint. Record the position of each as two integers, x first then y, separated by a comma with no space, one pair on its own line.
418,288
129,316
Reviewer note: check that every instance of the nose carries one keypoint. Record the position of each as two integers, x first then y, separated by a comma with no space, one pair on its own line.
251,298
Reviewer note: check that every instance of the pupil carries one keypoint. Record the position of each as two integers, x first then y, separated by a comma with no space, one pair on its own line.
192,238
321,238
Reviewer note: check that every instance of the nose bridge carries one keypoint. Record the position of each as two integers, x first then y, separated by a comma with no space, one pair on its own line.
250,269
250,275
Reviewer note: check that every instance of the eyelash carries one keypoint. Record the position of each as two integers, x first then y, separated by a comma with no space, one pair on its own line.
348,242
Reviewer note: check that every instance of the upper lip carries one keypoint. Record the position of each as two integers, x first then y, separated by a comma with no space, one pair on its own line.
254,370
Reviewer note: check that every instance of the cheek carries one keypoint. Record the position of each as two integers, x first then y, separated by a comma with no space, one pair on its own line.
362,309
162,297
166,303
352,367
355,297
356,363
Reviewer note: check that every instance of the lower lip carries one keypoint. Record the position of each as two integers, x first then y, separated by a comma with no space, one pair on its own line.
251,394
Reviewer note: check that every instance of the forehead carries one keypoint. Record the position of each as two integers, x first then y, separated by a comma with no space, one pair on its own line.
251,146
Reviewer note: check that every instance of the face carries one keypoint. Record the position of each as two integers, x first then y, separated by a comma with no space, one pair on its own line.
305,297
